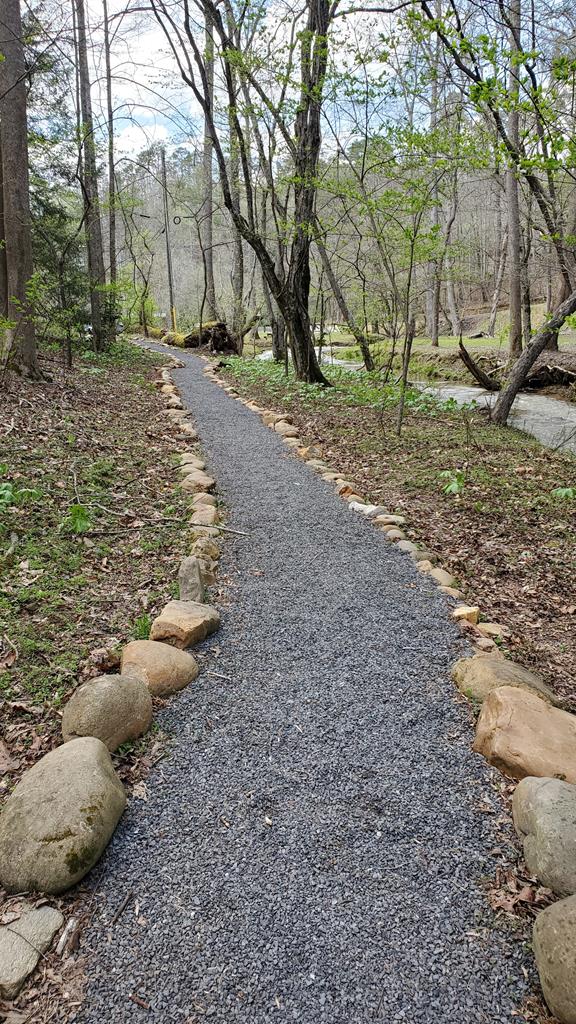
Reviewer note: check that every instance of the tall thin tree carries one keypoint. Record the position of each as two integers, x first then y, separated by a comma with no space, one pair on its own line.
16,267
89,183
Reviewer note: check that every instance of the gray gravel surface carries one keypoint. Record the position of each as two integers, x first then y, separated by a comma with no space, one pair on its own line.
312,849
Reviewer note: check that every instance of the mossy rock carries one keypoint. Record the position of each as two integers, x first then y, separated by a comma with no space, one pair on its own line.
60,818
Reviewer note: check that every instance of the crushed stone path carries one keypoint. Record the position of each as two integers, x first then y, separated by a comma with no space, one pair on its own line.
313,847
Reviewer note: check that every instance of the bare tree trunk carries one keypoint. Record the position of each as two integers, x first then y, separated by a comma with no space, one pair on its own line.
498,286
359,336
526,361
525,285
15,188
453,313
90,184
111,176
3,266
207,208
433,266
514,233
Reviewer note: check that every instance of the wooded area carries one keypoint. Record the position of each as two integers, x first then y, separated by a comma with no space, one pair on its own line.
399,169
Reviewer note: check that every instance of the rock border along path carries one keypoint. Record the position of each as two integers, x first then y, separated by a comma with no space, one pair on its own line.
313,847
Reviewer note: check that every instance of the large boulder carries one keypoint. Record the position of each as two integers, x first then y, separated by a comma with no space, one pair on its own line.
554,945
522,735
163,668
545,819
113,708
183,623
60,817
477,677
22,943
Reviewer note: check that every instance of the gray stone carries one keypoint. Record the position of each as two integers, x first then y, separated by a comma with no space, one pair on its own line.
22,943
114,708
545,819
190,580
163,668
554,944
59,818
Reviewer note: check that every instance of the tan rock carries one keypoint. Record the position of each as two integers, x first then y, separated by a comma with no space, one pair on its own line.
554,945
492,629
355,499
207,515
477,677
484,644
330,476
422,555
198,482
285,429
206,548
205,531
191,465
189,430
184,623
187,457
168,389
389,520
521,734
466,613
449,591
292,442
22,943
163,668
423,566
441,576
114,708
203,498
60,817
395,534
174,402
190,582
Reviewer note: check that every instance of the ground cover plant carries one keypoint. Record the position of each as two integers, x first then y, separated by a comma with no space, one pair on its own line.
91,531
493,504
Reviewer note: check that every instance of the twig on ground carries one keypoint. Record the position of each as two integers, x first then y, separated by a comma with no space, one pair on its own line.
121,908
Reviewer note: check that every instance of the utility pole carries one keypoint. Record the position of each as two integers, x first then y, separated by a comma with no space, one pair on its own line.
167,235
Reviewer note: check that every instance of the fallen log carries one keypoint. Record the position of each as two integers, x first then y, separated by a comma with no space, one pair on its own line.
550,376
483,378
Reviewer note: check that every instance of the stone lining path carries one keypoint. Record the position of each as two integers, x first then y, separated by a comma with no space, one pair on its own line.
312,850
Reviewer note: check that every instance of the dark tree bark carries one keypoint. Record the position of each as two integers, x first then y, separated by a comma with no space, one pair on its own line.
524,364
17,261
207,208
512,199
111,173
3,265
93,226
358,335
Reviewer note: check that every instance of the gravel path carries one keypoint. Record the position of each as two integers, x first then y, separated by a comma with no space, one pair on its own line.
313,849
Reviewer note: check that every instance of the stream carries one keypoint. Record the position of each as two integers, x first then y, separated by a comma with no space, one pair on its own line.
550,420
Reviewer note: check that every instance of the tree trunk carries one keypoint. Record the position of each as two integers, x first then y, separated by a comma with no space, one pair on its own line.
514,233
207,208
433,266
314,57
525,287
524,364
92,223
3,266
15,188
453,313
498,286
111,177
359,336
